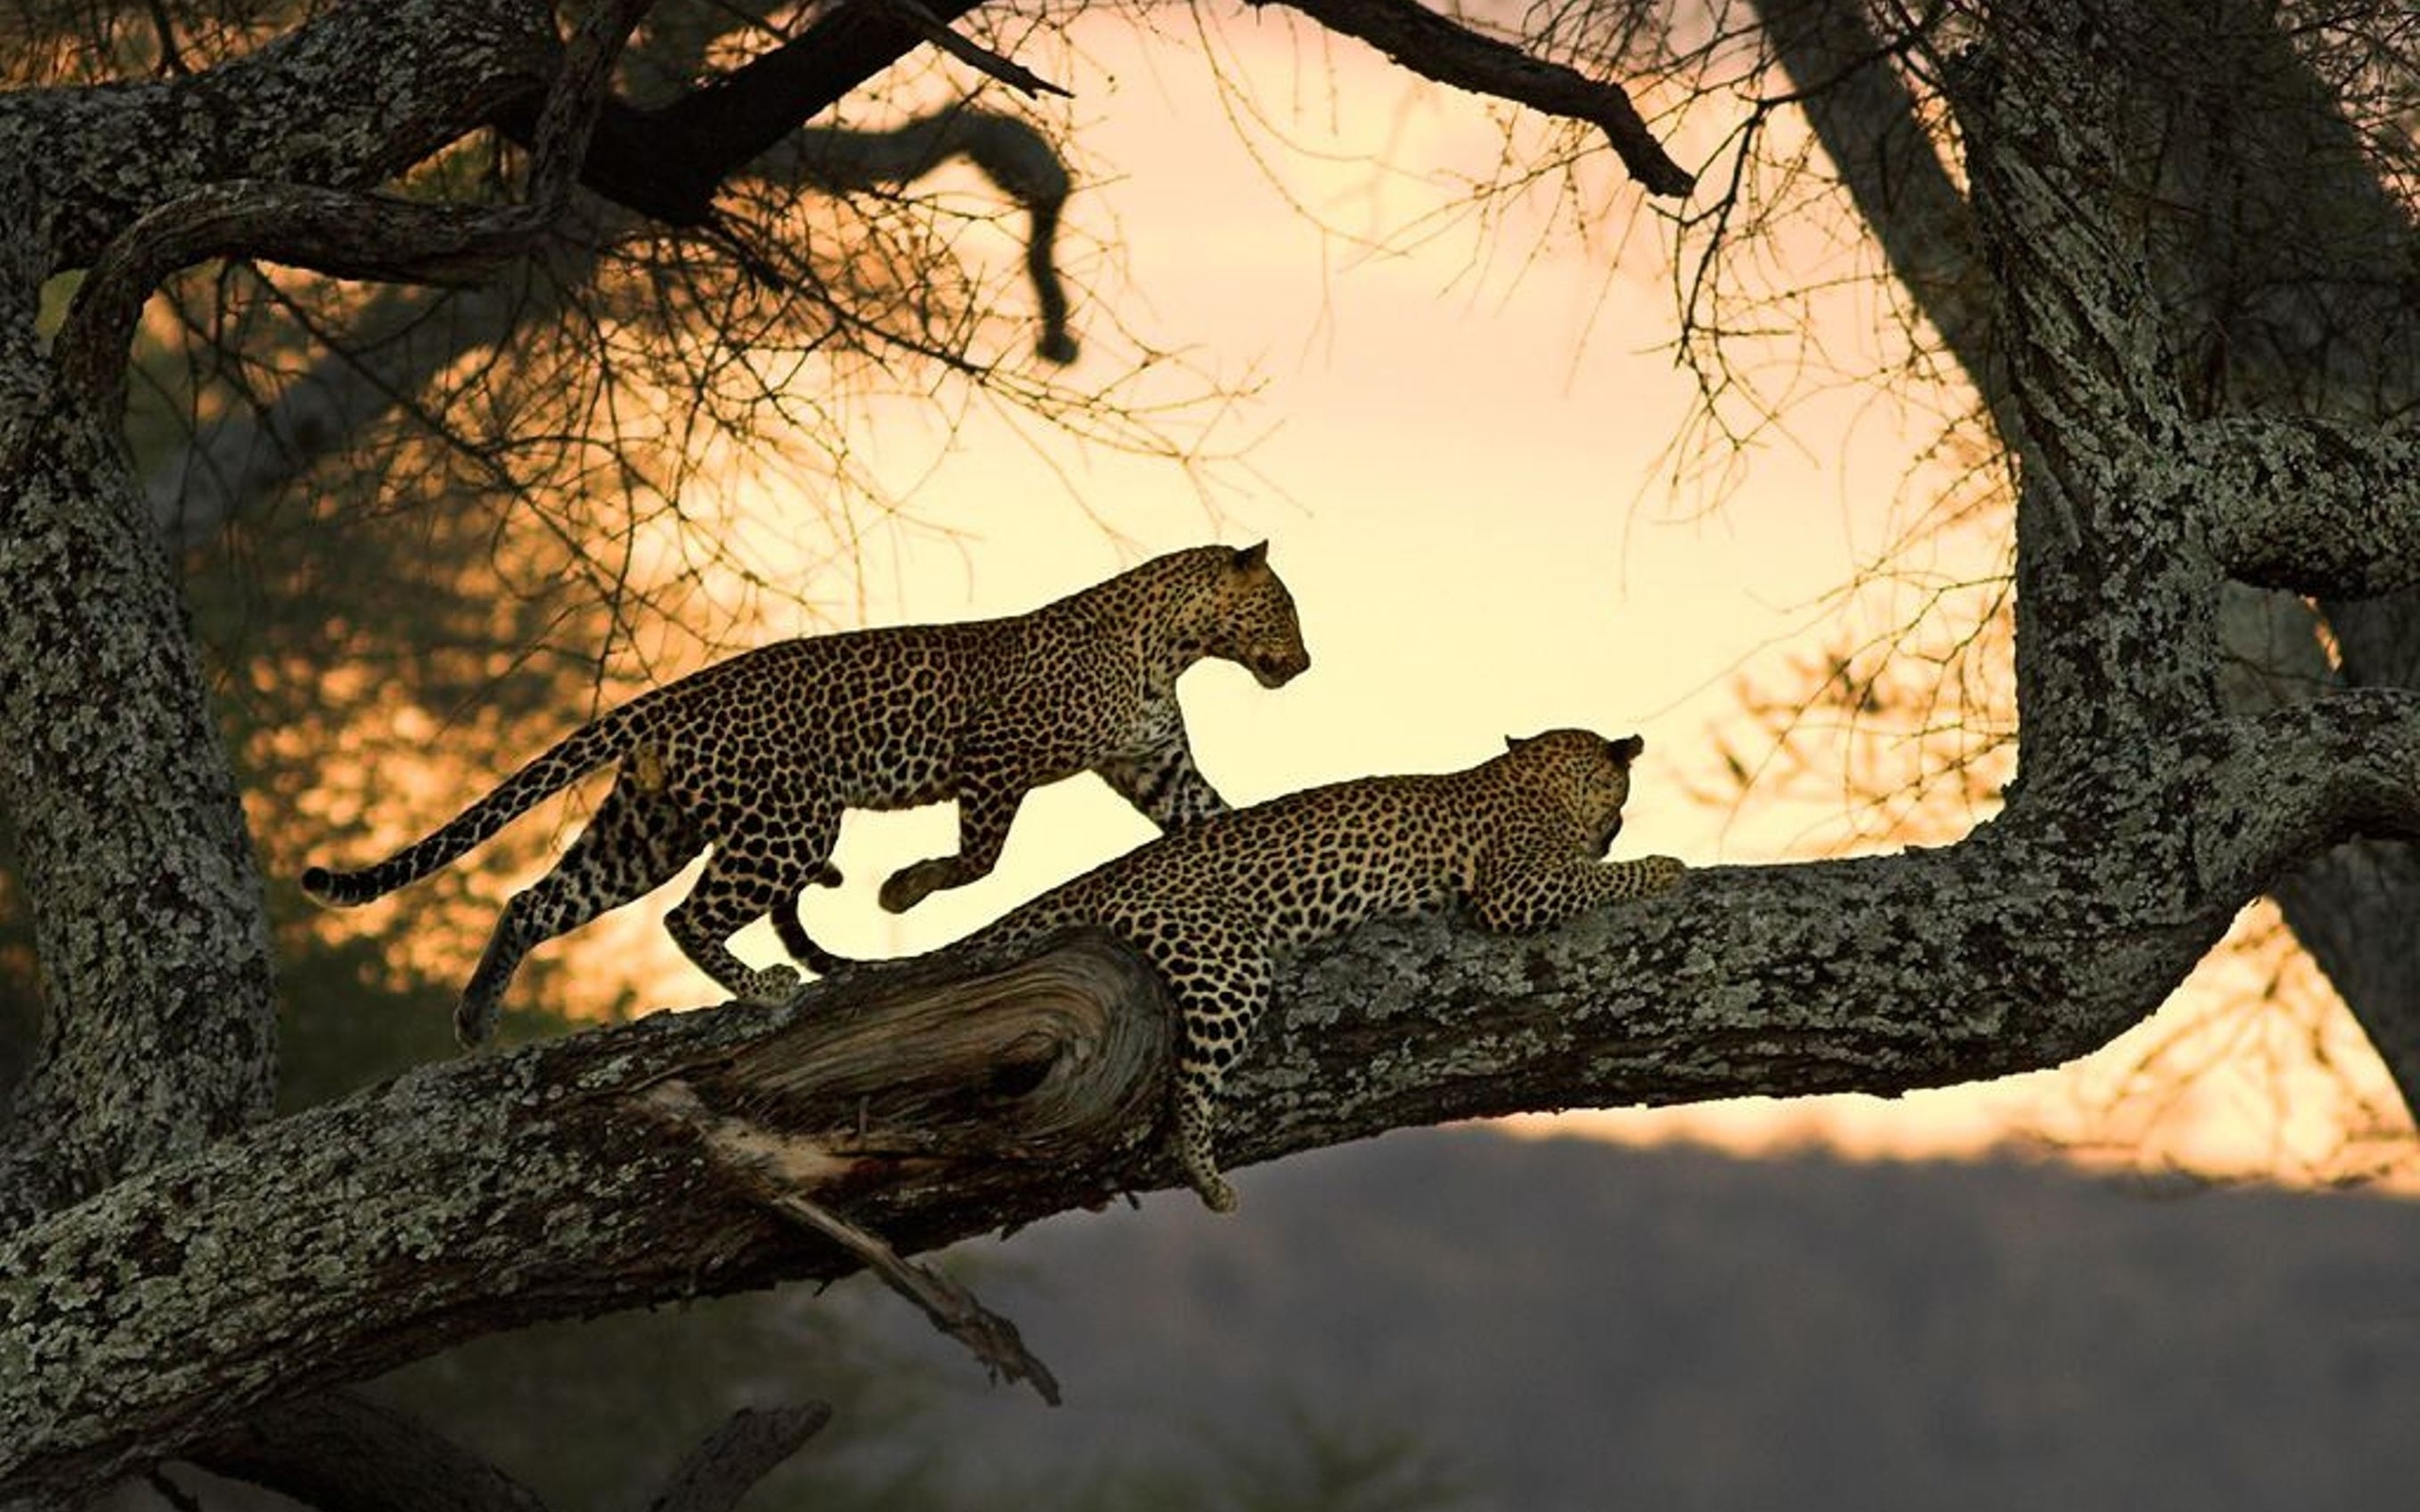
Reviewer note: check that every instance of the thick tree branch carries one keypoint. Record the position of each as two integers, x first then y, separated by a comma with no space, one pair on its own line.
2117,591
667,162
1451,53
334,230
102,157
2324,508
943,1099
2296,261
471,1196
123,808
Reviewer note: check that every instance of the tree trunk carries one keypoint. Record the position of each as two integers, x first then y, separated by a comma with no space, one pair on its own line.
131,843
2332,335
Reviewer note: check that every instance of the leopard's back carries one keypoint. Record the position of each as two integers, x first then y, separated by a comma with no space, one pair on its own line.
1215,906
1286,872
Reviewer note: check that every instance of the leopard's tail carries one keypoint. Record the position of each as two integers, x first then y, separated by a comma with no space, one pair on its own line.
803,947
570,759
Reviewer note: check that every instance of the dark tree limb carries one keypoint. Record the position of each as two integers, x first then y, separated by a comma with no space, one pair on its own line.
667,162
973,54
338,1453
735,1456
1446,51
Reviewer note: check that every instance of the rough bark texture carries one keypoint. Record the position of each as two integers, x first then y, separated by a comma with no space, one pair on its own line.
2281,260
603,1171
627,1166
131,843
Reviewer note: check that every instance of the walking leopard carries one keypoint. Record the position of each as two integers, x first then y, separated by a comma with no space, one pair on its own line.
756,757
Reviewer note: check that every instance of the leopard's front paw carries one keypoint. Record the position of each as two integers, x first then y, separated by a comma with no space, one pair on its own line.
1201,1174
1215,1195
1660,873
473,1019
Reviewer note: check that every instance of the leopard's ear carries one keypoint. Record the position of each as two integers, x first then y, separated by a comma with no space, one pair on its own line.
1515,742
1627,748
1248,557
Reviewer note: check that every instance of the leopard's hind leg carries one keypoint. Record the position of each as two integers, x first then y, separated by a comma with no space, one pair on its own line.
755,876
634,844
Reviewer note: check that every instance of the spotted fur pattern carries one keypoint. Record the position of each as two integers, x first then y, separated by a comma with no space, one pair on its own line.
756,757
1518,840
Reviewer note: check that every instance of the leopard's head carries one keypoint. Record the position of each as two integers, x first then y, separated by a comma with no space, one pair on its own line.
1249,619
1582,773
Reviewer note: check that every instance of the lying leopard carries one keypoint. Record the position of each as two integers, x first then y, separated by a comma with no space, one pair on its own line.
757,756
1212,907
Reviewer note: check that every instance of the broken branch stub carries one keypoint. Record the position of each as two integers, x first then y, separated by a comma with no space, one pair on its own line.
984,1072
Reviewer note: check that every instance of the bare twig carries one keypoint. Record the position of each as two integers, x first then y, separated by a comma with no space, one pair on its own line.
953,1309
1434,47
735,1456
972,53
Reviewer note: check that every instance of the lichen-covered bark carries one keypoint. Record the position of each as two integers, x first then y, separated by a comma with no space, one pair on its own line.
2279,263
350,99
130,842
595,1172
563,1180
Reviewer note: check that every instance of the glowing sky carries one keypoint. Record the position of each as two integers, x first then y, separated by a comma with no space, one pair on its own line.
1458,452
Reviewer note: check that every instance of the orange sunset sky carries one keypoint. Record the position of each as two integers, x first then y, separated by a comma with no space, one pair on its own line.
1462,447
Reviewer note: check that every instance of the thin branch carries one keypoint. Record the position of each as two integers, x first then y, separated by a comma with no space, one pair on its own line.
1451,53
732,1459
952,1308
2321,507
